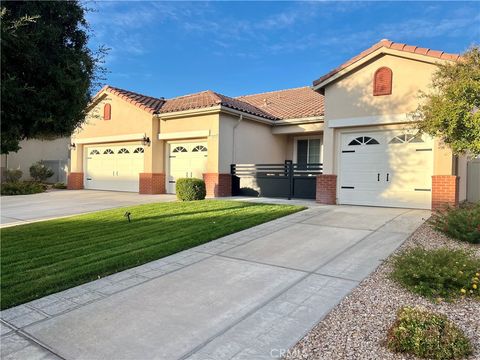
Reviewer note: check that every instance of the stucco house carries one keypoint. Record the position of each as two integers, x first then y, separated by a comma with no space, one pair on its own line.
354,120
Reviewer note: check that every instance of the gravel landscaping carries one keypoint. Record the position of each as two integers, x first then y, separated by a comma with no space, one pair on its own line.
357,327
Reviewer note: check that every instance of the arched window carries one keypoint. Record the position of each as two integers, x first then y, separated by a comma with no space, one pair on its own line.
406,138
363,140
123,151
382,81
179,149
199,148
94,152
139,150
108,151
107,112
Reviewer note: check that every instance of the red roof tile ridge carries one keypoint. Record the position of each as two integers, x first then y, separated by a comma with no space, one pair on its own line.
191,94
390,45
273,91
114,88
127,96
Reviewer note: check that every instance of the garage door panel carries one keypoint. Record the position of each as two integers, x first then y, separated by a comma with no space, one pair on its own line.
114,168
186,160
404,168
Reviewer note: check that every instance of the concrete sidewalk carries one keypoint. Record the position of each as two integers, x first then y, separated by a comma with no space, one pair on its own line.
249,295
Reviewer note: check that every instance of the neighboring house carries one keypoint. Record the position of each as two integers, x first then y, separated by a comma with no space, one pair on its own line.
55,154
354,120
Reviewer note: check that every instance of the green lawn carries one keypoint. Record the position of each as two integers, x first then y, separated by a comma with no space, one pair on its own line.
45,257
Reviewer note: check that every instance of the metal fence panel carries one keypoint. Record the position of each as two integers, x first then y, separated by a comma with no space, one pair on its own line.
276,180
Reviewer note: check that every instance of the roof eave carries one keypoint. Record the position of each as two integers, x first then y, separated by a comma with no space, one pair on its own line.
297,121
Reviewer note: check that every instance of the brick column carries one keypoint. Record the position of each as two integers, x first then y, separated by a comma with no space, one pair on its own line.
444,191
218,185
75,181
152,183
327,189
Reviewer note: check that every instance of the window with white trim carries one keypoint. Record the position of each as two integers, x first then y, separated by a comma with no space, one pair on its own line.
364,140
139,150
199,148
308,151
179,149
94,152
123,151
108,151
406,138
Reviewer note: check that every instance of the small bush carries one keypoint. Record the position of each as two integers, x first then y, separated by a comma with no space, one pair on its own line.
440,274
39,171
13,175
189,189
427,335
462,223
59,185
22,188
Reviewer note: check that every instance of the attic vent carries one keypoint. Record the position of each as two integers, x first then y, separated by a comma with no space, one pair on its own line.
382,81
107,112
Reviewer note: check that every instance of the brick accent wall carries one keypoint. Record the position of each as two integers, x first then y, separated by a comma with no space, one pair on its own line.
444,191
152,183
327,189
218,185
75,181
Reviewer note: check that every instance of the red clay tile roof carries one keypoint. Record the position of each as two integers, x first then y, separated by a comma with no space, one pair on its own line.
206,99
391,45
283,104
288,104
147,103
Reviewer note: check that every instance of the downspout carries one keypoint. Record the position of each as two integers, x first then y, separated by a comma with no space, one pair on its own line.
240,118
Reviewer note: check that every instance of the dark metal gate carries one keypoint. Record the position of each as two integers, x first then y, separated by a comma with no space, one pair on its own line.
288,180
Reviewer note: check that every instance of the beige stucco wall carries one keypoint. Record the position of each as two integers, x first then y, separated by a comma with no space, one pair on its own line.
35,150
248,142
352,95
126,119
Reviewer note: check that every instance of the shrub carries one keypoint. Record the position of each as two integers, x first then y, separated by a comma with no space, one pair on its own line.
440,274
59,185
189,189
427,335
13,175
22,188
462,223
39,171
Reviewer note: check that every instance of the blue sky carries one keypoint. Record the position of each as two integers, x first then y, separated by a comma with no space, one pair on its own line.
235,48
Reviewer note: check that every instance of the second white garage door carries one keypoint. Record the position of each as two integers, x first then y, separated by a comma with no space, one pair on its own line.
386,168
187,159
113,167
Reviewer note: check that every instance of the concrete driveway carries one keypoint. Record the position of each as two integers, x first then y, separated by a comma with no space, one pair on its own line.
22,209
249,295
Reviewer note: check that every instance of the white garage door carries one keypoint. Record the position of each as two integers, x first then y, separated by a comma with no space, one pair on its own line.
113,167
386,168
186,160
